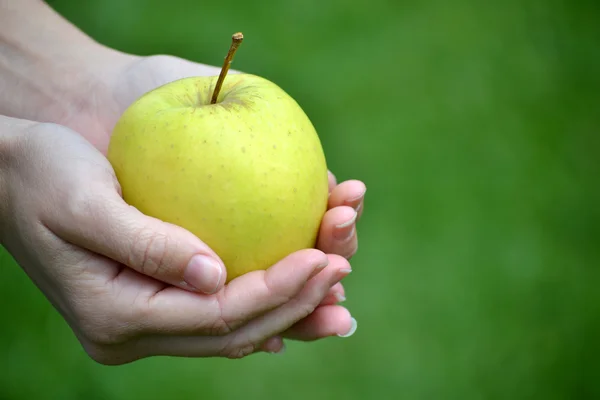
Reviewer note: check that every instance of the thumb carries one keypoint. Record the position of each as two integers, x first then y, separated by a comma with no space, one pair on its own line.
108,226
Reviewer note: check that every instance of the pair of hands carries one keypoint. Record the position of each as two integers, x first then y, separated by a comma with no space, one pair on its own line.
114,274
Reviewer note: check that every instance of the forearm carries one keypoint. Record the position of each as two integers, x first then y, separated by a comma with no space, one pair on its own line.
47,65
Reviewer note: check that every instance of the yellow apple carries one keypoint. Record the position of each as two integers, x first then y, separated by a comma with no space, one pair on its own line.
247,174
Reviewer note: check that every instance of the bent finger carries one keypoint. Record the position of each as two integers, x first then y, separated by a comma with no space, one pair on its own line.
349,193
332,320
337,234
258,292
247,338
173,311
251,337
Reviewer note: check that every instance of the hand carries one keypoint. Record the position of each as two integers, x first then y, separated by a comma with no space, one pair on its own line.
115,274
125,78
66,224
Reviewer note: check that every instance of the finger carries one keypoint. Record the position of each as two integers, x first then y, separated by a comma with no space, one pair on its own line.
274,345
332,180
249,338
257,292
326,321
349,193
246,339
337,234
176,312
336,295
99,220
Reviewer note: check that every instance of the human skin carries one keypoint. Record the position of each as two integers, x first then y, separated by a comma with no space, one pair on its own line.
64,222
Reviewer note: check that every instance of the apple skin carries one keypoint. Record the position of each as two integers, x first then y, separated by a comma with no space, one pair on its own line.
247,175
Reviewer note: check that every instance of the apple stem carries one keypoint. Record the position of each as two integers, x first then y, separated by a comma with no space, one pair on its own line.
236,40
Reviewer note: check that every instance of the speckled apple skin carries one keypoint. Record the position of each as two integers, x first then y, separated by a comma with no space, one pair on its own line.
247,175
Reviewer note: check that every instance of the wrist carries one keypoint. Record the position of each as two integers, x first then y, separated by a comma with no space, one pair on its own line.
48,67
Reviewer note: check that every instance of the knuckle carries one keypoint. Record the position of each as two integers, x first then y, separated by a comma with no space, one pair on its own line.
305,310
80,205
149,253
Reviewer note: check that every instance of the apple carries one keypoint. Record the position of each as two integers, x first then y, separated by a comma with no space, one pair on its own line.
233,159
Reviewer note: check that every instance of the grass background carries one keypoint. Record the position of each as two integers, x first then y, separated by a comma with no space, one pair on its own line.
476,126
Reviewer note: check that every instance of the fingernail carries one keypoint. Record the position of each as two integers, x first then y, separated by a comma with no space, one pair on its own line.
342,273
340,297
358,207
203,273
345,230
356,201
351,331
318,269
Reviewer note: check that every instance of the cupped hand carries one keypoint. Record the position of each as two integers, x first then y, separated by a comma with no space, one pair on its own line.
116,275
125,78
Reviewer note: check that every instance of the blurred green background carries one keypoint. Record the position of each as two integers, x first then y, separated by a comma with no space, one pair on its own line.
476,127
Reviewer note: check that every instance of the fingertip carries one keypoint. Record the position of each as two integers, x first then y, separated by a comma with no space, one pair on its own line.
274,345
314,257
222,278
344,216
339,262
358,186
204,274
332,180
343,318
289,275
349,331
349,193
325,321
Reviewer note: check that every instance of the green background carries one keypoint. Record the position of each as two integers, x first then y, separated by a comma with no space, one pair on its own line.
476,127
